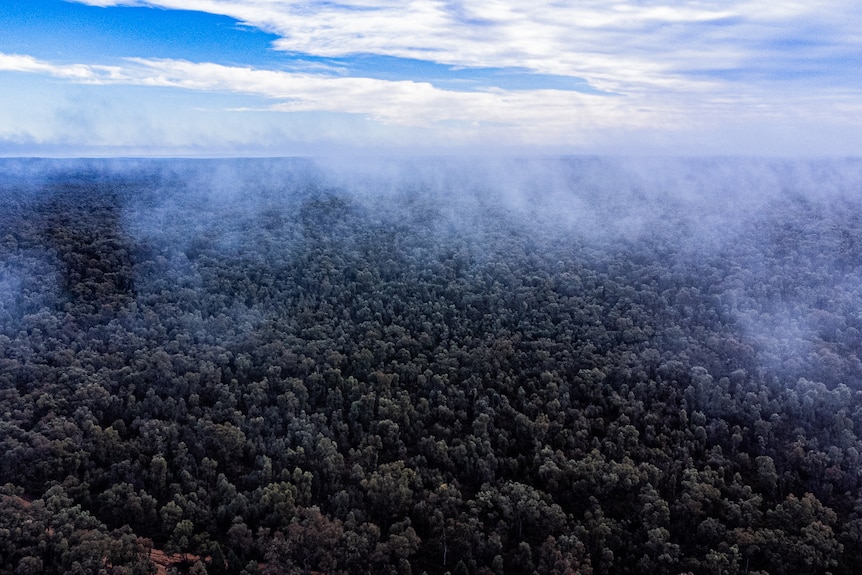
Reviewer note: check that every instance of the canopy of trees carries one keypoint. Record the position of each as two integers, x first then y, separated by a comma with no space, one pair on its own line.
268,369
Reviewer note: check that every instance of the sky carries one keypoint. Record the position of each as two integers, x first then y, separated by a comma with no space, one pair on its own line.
289,77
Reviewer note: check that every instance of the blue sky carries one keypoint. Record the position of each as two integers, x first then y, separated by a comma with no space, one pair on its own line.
284,77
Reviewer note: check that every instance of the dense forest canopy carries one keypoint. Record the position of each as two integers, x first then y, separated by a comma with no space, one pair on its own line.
540,366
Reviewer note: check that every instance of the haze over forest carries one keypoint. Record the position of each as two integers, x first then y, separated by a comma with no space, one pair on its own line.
430,287
572,365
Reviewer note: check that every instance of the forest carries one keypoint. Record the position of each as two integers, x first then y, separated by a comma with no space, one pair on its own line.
441,366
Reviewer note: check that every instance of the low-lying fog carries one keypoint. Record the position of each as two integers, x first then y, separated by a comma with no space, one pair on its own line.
433,365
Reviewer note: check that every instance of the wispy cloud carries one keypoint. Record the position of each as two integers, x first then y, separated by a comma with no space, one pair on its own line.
689,75
76,72
516,117
399,102
622,47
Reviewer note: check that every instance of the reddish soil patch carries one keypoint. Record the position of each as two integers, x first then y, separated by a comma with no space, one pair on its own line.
25,503
164,561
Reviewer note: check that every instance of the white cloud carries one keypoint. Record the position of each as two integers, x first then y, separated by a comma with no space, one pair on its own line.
728,76
717,120
397,102
75,72
622,46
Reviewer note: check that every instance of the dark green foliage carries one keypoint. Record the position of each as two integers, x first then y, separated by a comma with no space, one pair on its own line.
294,377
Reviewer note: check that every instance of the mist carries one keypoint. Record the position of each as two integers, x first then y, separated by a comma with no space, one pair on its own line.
776,236
476,342
778,225
781,225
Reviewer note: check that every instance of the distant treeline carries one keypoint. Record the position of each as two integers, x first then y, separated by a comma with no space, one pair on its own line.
259,368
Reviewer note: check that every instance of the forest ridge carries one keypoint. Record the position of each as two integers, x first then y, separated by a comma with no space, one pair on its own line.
541,366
